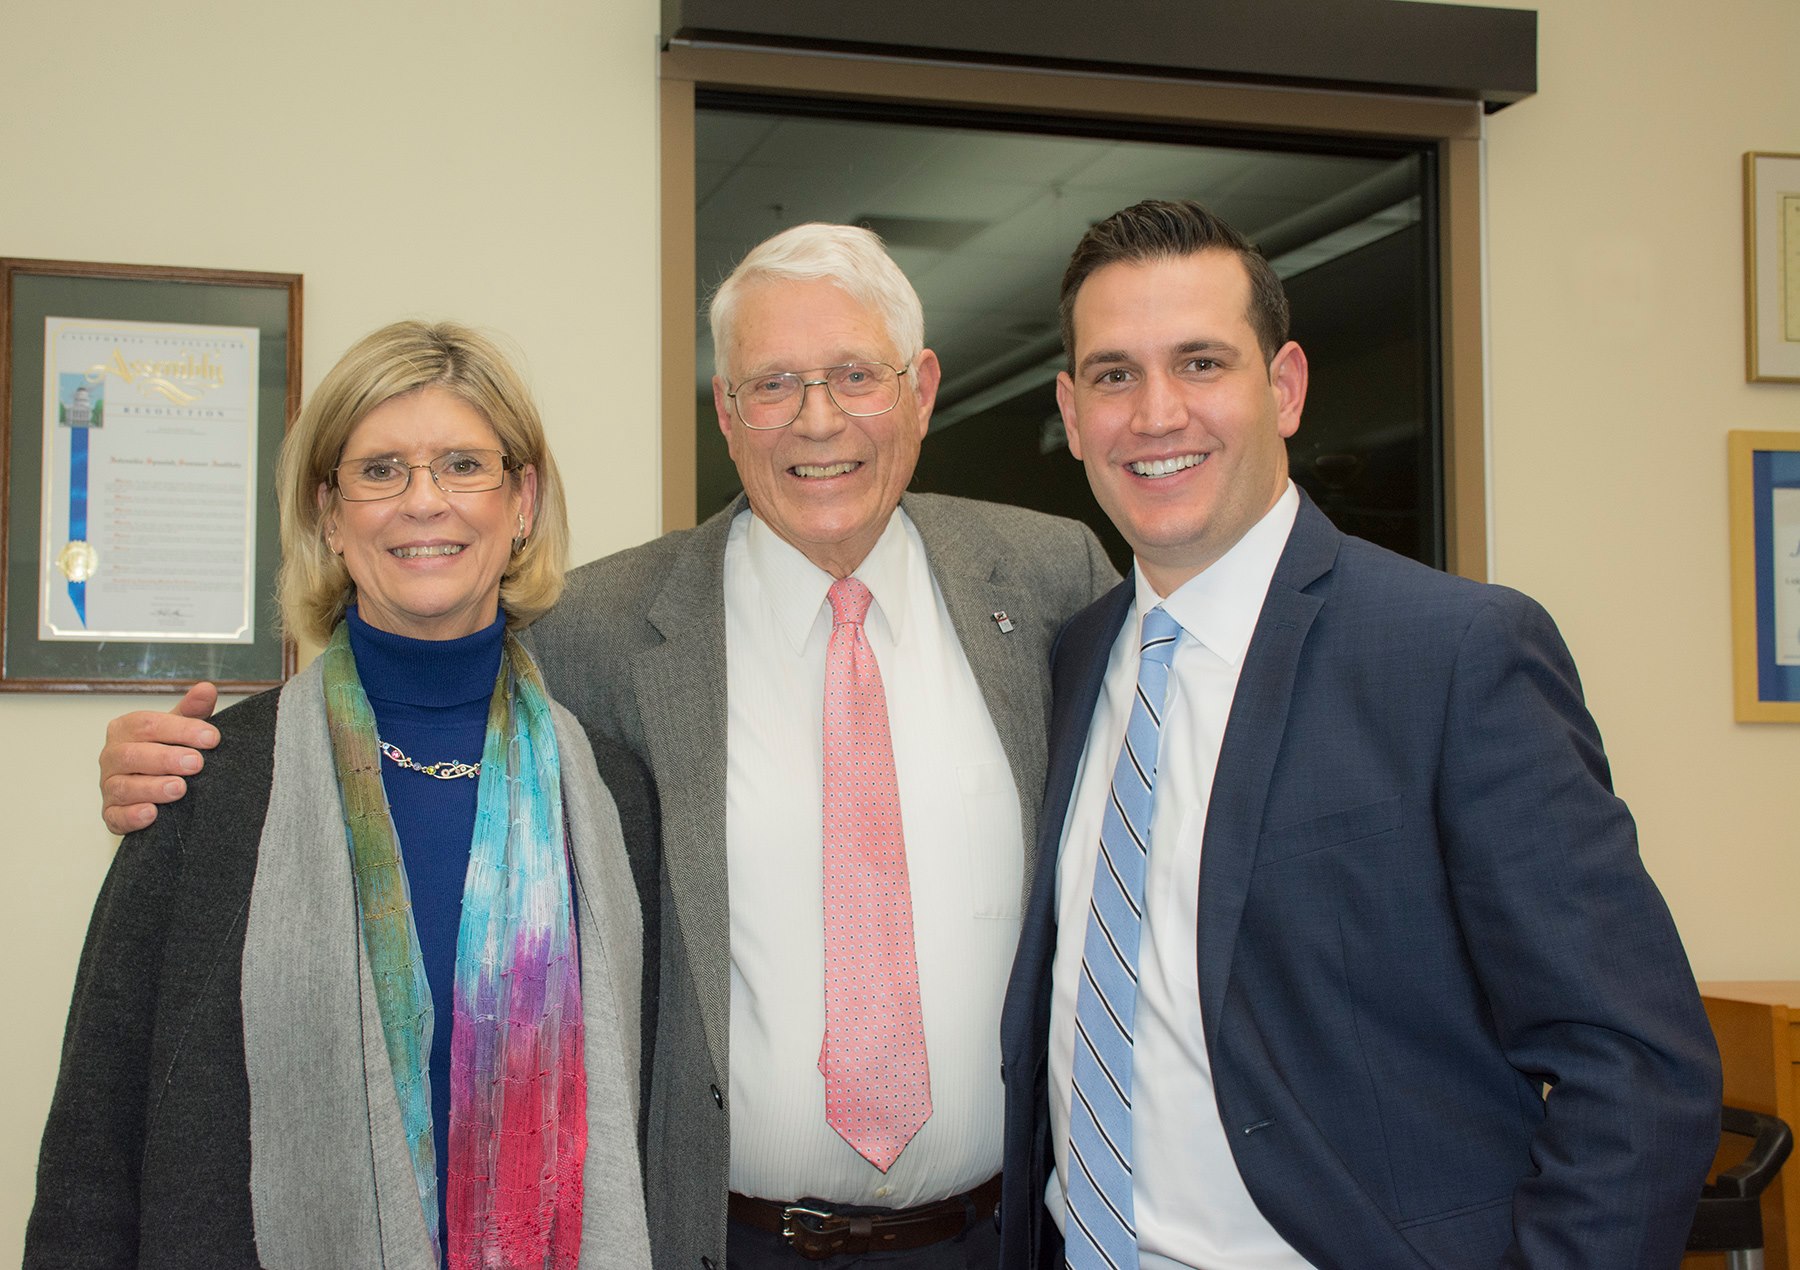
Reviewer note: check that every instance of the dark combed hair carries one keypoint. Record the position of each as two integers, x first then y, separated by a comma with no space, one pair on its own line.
1161,229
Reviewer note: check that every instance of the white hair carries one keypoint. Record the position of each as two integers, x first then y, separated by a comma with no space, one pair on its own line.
848,256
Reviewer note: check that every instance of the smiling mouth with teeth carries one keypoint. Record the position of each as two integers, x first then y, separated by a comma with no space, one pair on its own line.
813,471
413,553
1166,467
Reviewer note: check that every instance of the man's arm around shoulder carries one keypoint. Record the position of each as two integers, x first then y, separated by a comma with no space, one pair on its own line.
148,753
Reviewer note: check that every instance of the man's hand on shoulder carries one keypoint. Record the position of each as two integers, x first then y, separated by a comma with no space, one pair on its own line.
147,753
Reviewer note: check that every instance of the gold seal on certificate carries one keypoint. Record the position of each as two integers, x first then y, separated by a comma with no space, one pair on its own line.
77,561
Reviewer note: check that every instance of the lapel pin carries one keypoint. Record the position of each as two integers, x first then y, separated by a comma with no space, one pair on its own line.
1004,622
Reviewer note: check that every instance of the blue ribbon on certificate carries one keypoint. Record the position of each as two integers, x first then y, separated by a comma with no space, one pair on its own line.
78,500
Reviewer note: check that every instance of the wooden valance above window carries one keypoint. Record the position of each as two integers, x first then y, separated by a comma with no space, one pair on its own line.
1462,52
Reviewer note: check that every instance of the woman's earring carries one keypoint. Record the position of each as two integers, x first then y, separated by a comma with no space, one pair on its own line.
519,538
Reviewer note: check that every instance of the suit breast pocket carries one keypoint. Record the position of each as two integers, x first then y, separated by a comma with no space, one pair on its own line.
994,841
1332,829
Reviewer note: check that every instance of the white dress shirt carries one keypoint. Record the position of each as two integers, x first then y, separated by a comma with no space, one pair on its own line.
1192,1209
964,858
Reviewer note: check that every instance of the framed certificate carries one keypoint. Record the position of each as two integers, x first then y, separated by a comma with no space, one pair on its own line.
1772,267
1765,575
142,409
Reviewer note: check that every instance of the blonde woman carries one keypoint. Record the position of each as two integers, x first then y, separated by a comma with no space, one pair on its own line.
369,996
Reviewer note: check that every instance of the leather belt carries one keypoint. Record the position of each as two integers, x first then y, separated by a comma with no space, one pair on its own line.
817,1230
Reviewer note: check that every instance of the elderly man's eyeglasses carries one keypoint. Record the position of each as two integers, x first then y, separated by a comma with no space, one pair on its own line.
455,472
861,389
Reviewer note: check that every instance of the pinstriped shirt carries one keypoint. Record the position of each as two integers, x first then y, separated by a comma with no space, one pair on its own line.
1191,1206
965,863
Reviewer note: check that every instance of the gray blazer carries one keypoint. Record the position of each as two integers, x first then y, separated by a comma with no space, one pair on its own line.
636,650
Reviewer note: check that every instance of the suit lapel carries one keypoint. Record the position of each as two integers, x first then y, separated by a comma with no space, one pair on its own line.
1252,743
1079,670
977,582
680,687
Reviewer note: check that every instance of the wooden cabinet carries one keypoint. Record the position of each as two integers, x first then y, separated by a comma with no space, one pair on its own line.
1757,1024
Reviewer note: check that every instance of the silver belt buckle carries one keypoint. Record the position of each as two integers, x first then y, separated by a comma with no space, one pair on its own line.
791,1211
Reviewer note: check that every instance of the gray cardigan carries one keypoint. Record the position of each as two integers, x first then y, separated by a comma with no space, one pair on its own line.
146,1154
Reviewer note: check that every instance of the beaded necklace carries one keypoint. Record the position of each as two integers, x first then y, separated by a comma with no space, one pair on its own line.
445,769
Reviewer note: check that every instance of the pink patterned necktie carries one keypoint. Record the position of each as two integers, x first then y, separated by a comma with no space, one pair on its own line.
877,1085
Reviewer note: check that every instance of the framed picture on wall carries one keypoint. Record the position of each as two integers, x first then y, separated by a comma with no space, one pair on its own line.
1772,266
141,412
1765,575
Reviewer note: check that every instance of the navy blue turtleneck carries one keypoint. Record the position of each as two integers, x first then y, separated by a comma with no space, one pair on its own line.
430,698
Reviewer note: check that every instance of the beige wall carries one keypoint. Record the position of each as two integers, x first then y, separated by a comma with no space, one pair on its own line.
1615,261
454,159
420,160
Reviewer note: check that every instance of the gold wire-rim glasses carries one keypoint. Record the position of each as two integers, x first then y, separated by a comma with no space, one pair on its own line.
440,468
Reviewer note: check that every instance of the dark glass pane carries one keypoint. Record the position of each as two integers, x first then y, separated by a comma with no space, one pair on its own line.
982,212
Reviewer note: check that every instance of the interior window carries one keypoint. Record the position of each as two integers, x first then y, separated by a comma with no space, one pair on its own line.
981,211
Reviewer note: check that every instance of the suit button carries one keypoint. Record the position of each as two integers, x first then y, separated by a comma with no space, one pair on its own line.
718,1098
706,1263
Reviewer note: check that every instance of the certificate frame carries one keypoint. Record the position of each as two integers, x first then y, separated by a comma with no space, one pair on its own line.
1772,267
36,292
1763,689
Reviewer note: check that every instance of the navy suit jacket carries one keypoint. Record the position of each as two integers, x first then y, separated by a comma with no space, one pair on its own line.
1420,904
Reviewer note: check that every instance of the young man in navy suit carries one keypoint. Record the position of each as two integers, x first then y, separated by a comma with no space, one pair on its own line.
1348,959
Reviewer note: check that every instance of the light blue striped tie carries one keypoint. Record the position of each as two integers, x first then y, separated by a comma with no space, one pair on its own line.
1101,1230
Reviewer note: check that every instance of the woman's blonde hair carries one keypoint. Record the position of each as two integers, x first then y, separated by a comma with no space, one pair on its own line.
313,586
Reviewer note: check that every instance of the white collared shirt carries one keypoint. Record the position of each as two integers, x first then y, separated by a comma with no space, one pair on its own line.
1191,1205
964,857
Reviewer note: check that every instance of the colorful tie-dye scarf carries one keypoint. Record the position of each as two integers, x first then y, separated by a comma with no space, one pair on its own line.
518,1087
